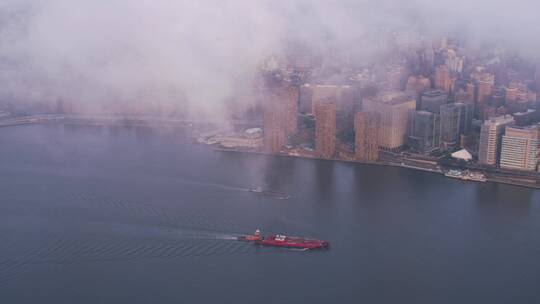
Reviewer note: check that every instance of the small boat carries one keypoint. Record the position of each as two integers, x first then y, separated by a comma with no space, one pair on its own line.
477,177
278,240
277,195
466,175
257,189
454,174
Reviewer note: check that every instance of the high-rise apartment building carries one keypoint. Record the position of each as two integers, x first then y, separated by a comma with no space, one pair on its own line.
497,97
491,138
395,76
466,117
325,130
519,97
275,126
395,109
289,96
424,133
454,61
519,149
341,95
511,94
280,117
418,84
471,91
462,96
443,79
306,99
485,87
367,126
449,126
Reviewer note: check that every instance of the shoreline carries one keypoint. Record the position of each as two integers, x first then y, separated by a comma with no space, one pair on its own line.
54,119
490,179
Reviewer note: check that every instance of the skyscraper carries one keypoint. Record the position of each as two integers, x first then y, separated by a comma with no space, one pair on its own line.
432,100
280,116
275,126
466,117
395,109
485,87
456,119
462,96
497,98
367,125
289,96
450,122
341,95
520,148
425,131
518,97
395,76
443,80
418,84
325,130
306,99
454,61
490,139
471,91
511,94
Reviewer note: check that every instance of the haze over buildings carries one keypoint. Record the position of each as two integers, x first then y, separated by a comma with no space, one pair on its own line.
199,58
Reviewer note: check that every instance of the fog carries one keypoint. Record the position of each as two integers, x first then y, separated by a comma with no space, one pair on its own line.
199,57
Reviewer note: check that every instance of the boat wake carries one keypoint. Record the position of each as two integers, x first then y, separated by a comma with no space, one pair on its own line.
256,190
123,243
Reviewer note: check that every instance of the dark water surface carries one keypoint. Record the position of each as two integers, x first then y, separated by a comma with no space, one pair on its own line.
131,215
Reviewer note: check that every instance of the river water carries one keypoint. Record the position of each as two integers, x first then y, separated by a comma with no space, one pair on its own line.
137,215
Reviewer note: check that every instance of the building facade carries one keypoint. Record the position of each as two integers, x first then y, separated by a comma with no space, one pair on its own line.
425,131
367,125
456,119
395,110
443,79
432,100
485,87
519,149
325,130
275,125
290,96
449,126
341,95
490,139
280,117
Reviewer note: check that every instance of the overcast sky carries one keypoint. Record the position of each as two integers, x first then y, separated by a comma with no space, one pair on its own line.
203,51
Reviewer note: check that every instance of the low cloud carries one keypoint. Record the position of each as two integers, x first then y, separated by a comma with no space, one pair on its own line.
194,56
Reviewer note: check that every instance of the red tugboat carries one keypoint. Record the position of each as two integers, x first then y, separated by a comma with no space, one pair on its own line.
277,240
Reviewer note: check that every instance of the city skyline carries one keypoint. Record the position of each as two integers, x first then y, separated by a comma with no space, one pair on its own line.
269,151
155,57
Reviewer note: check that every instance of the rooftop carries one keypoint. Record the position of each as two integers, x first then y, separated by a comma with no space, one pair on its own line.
433,93
393,97
529,111
504,119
